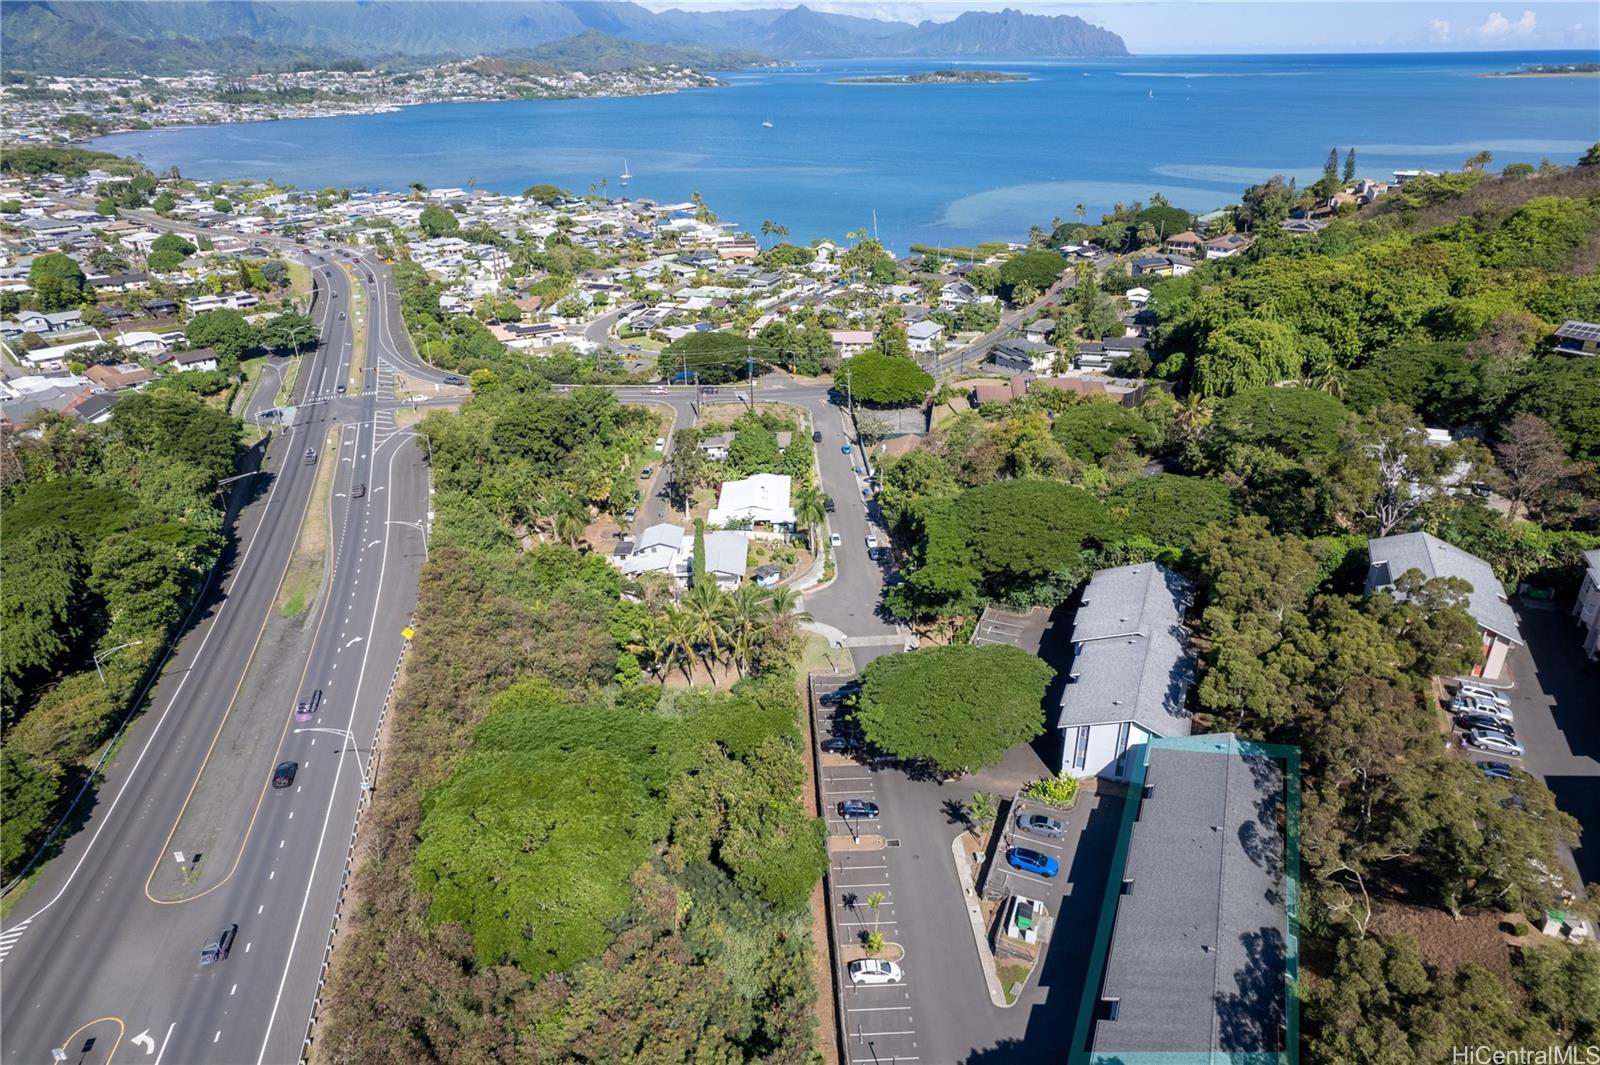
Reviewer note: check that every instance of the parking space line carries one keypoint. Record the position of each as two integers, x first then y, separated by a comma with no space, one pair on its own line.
883,884
872,1035
874,1009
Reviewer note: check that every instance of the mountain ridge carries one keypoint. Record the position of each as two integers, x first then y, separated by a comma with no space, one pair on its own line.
171,36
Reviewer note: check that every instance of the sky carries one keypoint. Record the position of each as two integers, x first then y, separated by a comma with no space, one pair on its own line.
1203,26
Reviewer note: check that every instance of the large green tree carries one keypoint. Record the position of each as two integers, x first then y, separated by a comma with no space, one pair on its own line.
880,380
57,281
960,708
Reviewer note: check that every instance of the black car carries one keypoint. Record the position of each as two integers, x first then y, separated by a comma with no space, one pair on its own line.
840,744
839,695
875,553
283,776
1472,721
217,949
455,379
357,491
860,809
816,437
827,503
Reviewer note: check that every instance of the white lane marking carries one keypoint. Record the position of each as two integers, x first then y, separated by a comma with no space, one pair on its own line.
172,701
233,990
217,1036
247,948
333,792
165,1039
260,908
874,1009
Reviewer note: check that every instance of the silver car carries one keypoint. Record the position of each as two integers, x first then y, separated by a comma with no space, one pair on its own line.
1498,742
1041,825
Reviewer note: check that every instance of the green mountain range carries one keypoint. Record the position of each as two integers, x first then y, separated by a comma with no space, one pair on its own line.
173,36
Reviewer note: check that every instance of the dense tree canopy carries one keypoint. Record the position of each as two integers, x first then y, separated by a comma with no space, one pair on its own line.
960,707
880,380
57,281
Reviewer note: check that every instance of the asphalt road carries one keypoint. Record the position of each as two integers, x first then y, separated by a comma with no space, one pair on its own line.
90,953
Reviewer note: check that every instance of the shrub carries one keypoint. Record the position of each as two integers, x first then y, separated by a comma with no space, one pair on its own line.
1055,791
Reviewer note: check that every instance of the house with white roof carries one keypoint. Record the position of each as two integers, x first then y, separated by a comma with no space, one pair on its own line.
1392,557
922,336
758,500
659,550
1131,669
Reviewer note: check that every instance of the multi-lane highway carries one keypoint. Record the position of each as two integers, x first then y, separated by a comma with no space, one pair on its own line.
106,946
102,958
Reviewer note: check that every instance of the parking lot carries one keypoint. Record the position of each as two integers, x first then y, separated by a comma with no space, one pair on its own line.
879,1021
941,1011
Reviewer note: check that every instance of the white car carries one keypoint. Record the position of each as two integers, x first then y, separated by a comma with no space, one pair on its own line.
835,539
872,540
1481,692
873,971
661,443
660,390
1471,704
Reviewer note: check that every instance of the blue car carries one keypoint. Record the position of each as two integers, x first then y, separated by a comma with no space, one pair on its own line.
1031,861
845,450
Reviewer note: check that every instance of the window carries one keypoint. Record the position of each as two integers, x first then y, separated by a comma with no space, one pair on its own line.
1122,747
1080,753
1108,1009
1127,887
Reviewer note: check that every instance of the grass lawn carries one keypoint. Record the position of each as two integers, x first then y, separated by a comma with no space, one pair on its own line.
304,576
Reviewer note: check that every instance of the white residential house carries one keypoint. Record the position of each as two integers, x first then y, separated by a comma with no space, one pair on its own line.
715,448
233,301
921,337
203,359
660,550
141,342
1131,669
727,557
1391,557
1587,608
758,500
1137,296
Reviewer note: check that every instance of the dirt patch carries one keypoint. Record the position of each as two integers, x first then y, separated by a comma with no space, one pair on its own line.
1447,942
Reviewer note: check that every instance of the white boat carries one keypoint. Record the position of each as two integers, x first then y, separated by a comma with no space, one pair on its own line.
626,177
766,123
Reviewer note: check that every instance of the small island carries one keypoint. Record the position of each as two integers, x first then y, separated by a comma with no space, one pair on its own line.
1553,70
937,77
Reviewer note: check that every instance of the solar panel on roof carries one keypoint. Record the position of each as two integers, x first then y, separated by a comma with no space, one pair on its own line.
1579,331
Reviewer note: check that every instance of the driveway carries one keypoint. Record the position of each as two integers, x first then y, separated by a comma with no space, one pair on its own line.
1555,707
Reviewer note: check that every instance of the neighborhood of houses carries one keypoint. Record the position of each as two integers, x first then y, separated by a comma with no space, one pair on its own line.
1198,892
58,109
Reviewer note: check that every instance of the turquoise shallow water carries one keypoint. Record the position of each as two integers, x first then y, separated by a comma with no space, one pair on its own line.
938,163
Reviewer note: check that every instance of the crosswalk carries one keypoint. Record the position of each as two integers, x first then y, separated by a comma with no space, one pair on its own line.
10,936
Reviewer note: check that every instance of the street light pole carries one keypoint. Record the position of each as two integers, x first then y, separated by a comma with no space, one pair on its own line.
345,733
102,656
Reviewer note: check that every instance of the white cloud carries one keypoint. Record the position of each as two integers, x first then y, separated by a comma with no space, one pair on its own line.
1440,29
1499,28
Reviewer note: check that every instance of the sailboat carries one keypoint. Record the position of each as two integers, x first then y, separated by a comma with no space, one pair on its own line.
766,123
626,177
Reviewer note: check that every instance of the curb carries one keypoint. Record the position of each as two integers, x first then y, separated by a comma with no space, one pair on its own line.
975,917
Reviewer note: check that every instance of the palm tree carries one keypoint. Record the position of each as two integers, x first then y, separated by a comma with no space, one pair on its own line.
571,517
649,641
784,601
708,606
1080,211
810,511
746,614
680,631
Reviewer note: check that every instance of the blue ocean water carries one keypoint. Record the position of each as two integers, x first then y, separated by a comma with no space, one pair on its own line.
938,163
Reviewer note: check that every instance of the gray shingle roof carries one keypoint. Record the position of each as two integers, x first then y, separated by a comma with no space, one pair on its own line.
1392,556
1198,952
727,553
1131,660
